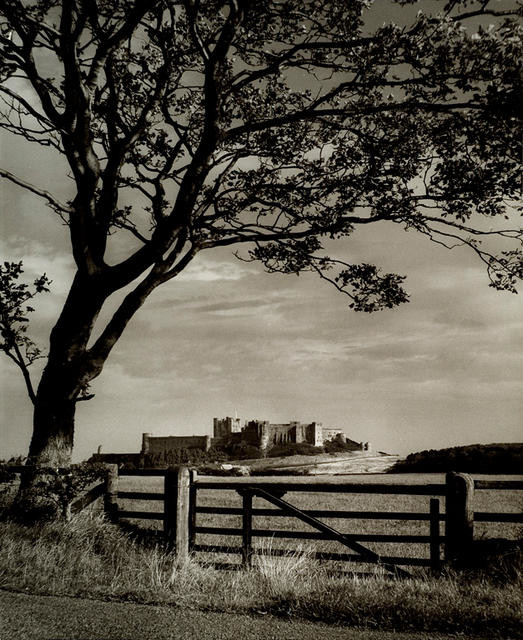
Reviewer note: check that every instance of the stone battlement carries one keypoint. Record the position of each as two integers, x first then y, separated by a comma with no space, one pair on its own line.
263,434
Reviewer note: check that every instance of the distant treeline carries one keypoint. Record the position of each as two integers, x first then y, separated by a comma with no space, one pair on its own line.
474,458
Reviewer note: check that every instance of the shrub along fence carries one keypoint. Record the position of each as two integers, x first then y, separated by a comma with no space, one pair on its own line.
180,528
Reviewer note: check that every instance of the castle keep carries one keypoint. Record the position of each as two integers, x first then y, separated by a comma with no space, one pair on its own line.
263,434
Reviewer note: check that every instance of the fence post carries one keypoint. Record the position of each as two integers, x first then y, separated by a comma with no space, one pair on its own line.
111,492
435,562
459,523
247,528
193,489
176,516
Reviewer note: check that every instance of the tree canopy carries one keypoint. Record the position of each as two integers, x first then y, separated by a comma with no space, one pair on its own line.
474,458
276,126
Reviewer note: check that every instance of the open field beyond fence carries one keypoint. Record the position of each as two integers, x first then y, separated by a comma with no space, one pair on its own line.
368,530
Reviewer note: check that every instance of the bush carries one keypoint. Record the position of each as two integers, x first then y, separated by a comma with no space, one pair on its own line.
337,446
475,458
217,455
48,492
244,451
6,475
185,456
294,449
7,487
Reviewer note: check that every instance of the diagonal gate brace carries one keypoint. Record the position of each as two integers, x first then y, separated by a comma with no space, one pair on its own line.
347,540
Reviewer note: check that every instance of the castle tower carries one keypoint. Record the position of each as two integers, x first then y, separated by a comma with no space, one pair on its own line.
264,432
145,443
317,433
223,427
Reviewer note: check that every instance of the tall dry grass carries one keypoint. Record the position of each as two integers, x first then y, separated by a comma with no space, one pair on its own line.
90,557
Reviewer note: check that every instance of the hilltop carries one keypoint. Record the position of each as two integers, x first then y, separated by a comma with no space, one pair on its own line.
473,458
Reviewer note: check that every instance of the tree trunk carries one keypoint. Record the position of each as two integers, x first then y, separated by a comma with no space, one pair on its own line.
51,447
68,371
66,375
53,428
41,493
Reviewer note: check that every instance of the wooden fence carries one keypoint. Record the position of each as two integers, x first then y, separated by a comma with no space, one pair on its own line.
181,508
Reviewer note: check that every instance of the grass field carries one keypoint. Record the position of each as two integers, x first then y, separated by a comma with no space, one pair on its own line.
89,557
485,500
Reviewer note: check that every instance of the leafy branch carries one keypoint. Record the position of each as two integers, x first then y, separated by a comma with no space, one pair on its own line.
14,311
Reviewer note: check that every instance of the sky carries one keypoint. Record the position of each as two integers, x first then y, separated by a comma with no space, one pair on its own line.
227,338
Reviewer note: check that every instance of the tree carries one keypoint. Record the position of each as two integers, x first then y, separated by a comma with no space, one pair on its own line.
193,124
14,311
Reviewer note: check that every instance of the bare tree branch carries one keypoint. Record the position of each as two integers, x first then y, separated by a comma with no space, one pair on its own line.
53,202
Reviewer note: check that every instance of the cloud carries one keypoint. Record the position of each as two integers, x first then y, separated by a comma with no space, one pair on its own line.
209,271
225,336
249,305
38,258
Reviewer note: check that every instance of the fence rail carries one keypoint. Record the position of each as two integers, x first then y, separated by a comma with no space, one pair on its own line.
313,535
181,508
329,487
507,485
357,515
319,555
181,528
88,498
487,516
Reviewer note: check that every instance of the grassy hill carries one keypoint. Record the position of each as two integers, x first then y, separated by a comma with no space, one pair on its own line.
473,458
335,463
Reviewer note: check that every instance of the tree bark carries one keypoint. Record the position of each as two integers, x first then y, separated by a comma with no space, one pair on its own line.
53,426
51,447
68,371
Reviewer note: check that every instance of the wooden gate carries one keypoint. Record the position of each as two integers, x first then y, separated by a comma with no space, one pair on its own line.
273,493
350,541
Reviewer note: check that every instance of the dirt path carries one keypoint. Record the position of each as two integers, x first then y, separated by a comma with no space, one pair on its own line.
27,617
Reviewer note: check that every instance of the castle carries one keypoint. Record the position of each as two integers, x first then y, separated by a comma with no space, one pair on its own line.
262,434
226,431
257,433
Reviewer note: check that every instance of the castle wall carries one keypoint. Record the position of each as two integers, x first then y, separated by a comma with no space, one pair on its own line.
256,433
233,438
282,433
264,434
333,434
145,443
300,432
164,444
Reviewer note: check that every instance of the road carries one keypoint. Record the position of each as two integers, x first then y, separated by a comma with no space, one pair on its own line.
28,617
